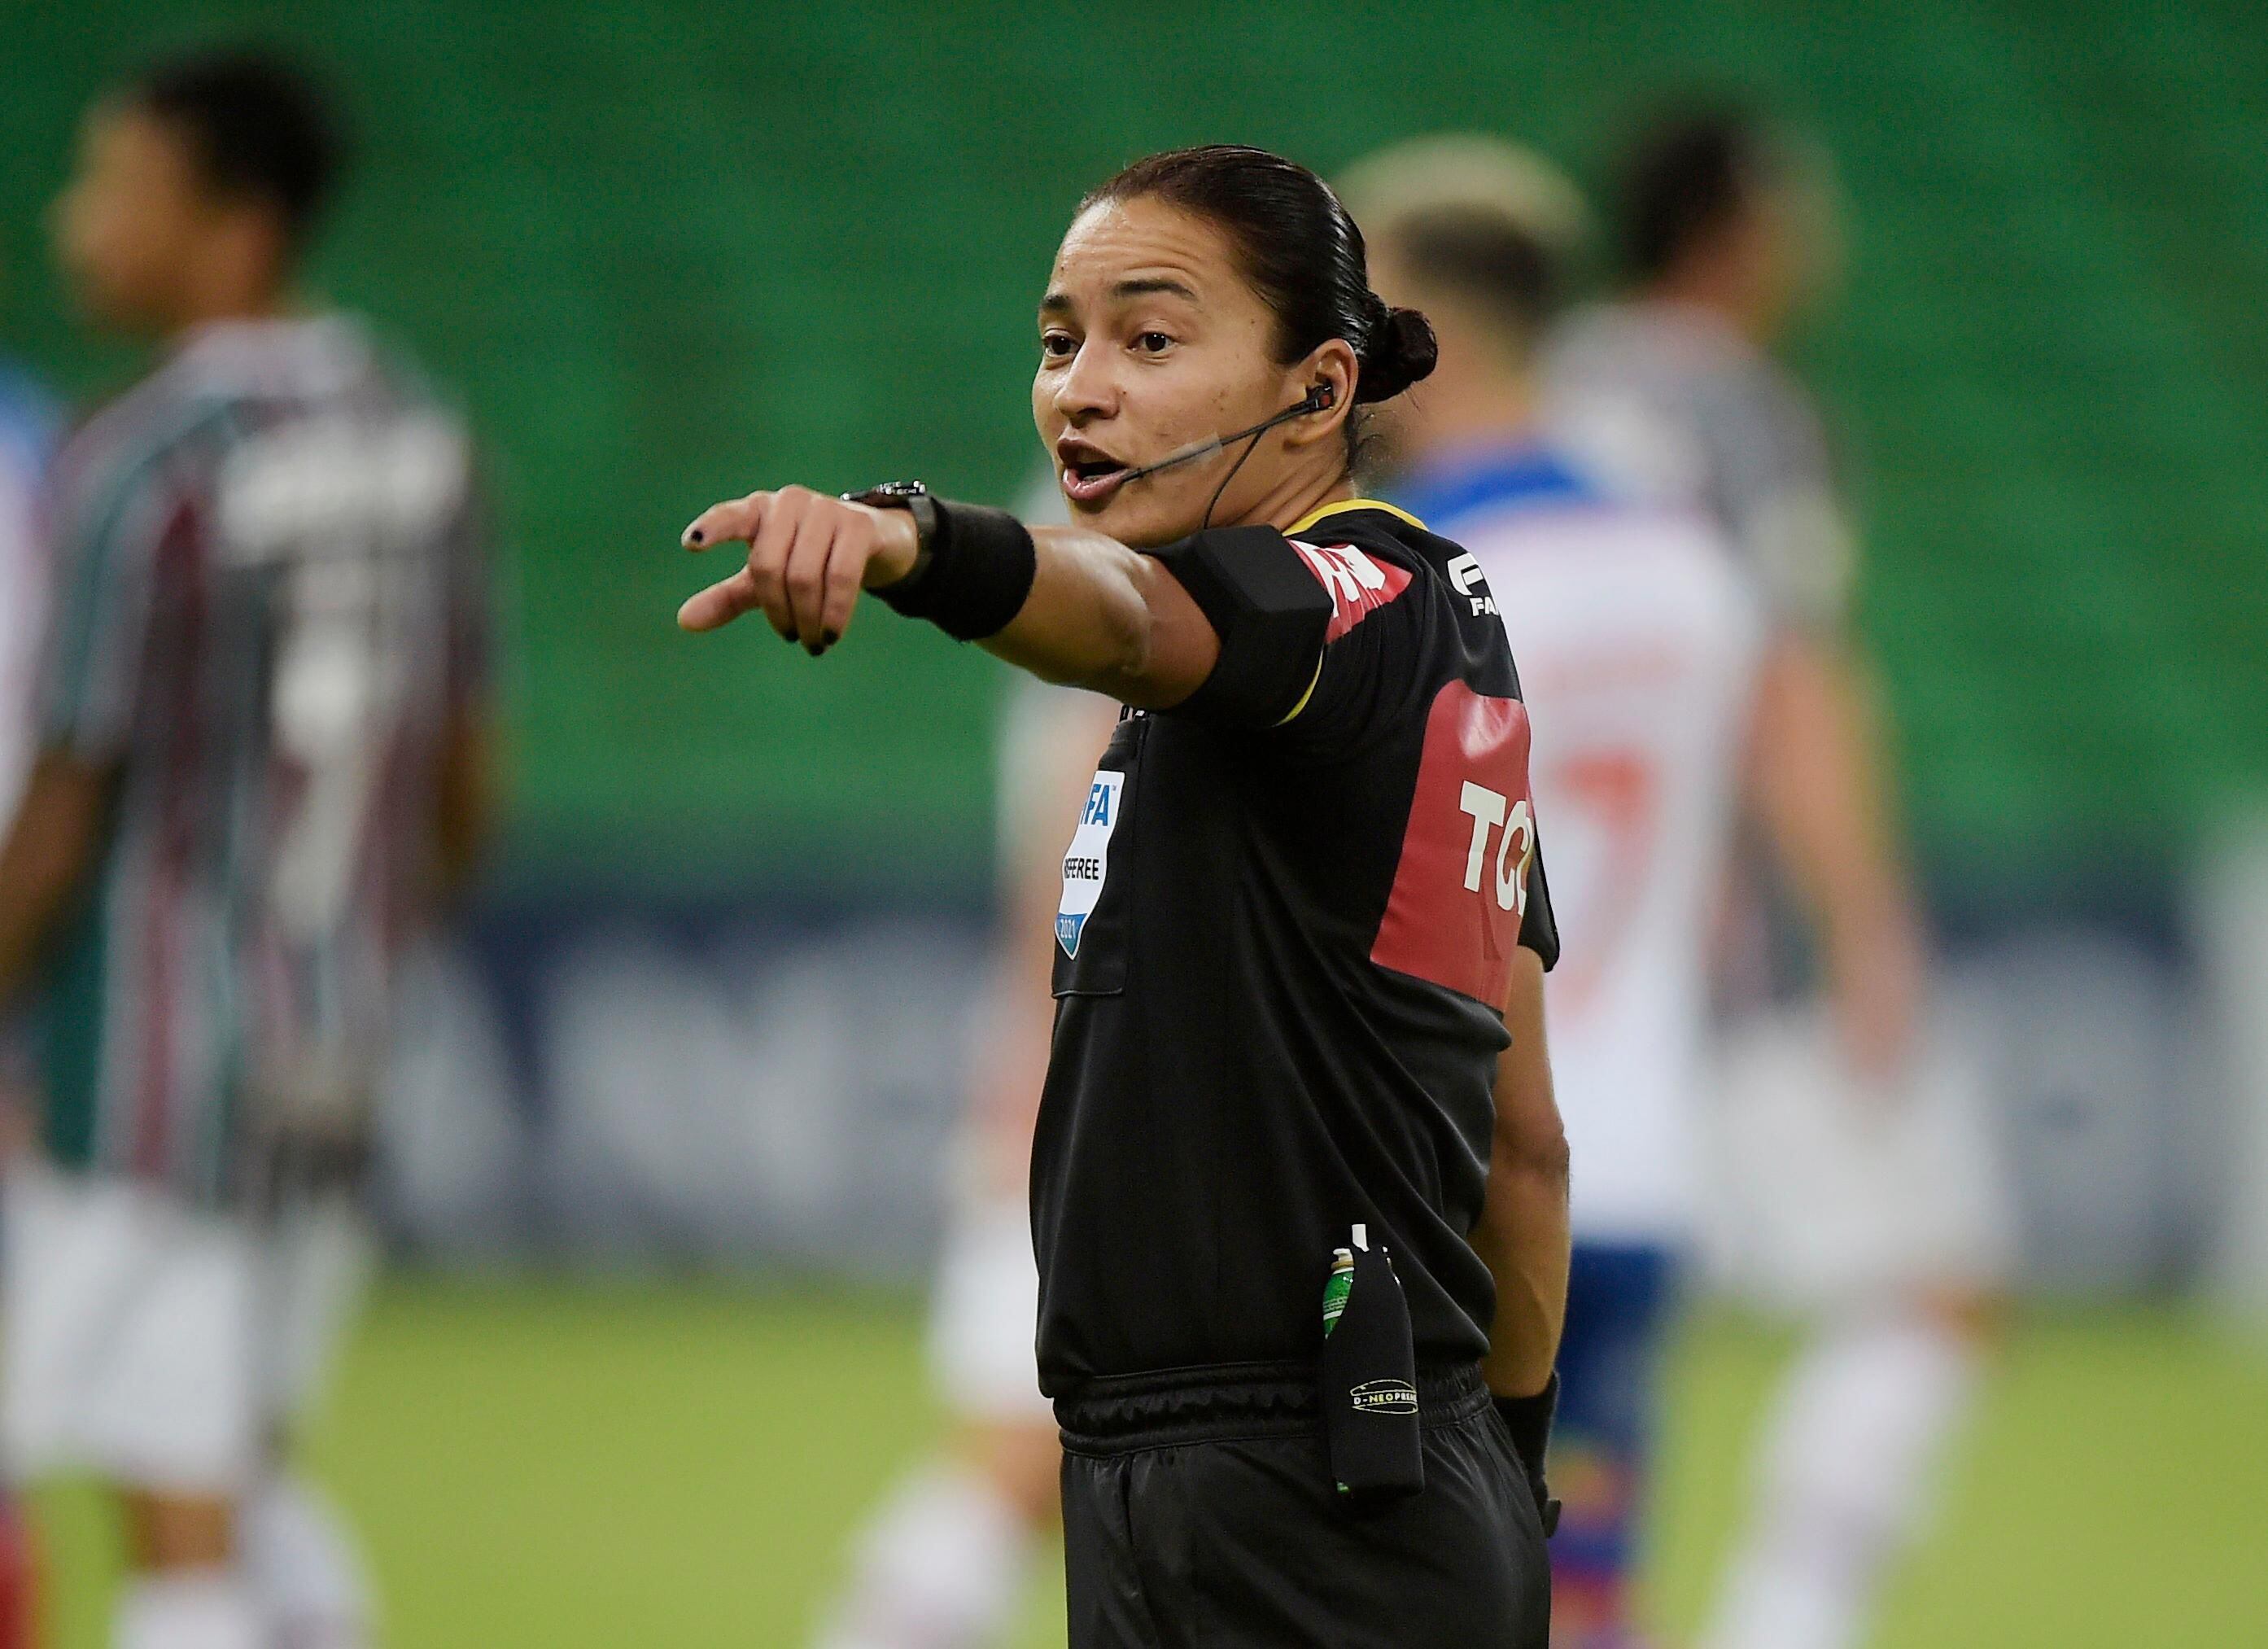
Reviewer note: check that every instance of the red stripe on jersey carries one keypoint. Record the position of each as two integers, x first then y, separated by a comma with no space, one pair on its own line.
179,573
1360,584
1460,886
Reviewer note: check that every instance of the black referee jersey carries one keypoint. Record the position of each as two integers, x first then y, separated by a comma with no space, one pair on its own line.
1283,952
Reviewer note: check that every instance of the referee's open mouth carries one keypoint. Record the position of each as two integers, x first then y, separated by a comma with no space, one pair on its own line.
1089,474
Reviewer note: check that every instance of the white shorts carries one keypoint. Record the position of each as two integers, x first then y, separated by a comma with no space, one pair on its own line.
159,1346
1823,1192
985,1316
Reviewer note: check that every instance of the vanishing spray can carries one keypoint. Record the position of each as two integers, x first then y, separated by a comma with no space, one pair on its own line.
1337,1287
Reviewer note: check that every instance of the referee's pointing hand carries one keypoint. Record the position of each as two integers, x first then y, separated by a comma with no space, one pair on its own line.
809,556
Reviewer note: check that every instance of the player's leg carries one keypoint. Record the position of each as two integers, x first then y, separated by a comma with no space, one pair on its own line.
946,1559
297,1548
1906,1199
132,1359
1618,1305
943,1564
302,1558
185,1589
19,1576
151,1342
1850,1457
19,1559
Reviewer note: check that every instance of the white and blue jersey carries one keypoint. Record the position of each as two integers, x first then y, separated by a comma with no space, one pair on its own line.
1637,639
1667,401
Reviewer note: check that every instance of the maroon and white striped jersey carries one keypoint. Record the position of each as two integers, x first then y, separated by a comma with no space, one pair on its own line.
272,601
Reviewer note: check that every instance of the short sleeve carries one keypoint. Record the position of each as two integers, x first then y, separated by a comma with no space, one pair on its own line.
1373,642
470,642
1317,638
1539,926
111,522
1670,411
1773,487
1269,614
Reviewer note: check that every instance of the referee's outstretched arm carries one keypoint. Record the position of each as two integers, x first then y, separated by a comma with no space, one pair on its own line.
1094,613
1522,1234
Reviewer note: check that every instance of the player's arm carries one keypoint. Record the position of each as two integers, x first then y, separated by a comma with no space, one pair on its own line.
1818,785
1075,607
50,846
469,775
1110,619
464,800
1816,780
1522,1235
106,550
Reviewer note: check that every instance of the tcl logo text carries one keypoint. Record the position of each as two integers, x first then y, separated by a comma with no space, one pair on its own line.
1512,826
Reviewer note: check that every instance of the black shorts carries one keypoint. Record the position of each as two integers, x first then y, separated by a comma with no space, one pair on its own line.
1198,1510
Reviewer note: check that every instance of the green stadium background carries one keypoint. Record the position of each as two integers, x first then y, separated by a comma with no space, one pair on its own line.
671,252
667,251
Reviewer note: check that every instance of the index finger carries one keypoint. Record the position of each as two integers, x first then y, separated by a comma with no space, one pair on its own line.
733,519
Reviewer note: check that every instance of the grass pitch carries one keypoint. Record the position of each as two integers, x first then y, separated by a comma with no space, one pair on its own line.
576,1465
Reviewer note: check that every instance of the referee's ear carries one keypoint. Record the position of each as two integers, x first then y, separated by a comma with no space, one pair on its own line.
1331,366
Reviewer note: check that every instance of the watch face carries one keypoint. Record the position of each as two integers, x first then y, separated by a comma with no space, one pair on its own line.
897,494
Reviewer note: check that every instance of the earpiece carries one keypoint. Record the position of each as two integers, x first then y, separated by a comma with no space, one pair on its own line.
1319,399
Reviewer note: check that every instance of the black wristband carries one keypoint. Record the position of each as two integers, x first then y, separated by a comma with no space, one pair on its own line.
1528,1420
980,569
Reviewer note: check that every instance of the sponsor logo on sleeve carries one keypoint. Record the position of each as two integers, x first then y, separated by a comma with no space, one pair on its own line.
1515,844
1461,888
1358,584
1464,571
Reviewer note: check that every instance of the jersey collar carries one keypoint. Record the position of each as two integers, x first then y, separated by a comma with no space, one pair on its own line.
1344,506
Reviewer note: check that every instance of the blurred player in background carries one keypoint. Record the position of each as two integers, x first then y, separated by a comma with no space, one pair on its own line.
1864,1136
27,428
1638,639
259,770
945,1561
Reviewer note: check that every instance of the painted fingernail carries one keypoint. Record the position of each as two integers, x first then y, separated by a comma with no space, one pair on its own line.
693,535
828,638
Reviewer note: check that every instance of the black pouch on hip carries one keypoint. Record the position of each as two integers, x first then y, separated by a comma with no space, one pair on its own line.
1368,1375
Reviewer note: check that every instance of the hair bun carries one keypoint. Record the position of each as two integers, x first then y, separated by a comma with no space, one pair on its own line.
1400,350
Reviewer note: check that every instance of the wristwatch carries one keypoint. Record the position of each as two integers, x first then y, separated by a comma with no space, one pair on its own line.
914,499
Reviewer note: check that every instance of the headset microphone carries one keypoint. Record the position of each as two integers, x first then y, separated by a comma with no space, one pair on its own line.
1318,400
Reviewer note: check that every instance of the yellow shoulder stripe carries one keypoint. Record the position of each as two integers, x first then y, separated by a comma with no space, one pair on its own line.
1344,506
1308,520
1312,682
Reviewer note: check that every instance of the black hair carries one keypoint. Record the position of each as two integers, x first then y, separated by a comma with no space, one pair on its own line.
1299,248
259,128
1686,178
1487,258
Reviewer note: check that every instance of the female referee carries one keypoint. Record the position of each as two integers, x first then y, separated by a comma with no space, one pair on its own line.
1299,1048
